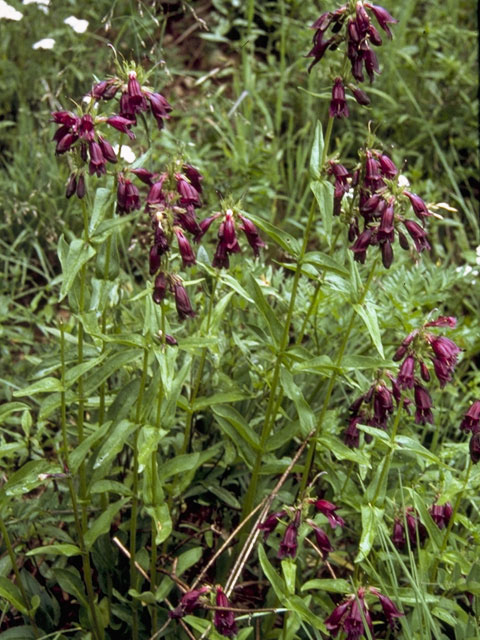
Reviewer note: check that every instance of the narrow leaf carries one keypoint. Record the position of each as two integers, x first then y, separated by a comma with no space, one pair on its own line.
103,523
369,316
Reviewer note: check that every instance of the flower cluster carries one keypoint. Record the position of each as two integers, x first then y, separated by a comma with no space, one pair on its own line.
223,619
416,350
373,409
352,27
288,544
382,203
351,615
411,525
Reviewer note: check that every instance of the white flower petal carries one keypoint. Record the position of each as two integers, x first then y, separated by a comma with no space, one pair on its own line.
8,12
44,2
45,43
403,181
79,26
126,153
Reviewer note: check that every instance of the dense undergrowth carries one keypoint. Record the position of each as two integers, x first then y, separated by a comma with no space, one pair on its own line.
239,385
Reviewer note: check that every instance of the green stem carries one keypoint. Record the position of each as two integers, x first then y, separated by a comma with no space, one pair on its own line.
326,140
198,377
451,523
387,459
134,514
87,570
13,560
331,384
273,400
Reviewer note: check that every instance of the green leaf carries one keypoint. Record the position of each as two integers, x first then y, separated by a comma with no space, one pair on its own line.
275,580
187,559
161,518
75,372
27,477
340,450
289,570
293,391
323,192
23,632
179,464
103,198
325,262
317,152
11,407
295,603
233,284
288,243
366,362
46,385
78,454
103,523
70,581
276,328
62,549
371,518
218,398
79,253
332,586
238,422
107,227
114,444
12,594
413,446
369,316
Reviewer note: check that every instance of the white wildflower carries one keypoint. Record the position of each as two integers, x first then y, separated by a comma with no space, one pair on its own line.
403,181
126,153
8,12
44,43
79,26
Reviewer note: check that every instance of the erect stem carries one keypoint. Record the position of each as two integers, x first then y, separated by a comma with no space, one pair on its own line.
134,513
388,457
198,377
273,400
331,384
450,524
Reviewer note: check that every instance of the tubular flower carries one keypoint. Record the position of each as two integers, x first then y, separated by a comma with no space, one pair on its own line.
423,404
223,620
338,104
471,420
323,542
270,523
188,602
329,510
288,545
349,616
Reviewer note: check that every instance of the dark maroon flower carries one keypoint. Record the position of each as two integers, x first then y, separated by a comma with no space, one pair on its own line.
398,536
154,259
64,140
319,47
122,124
145,176
371,63
288,545
136,98
389,609
188,602
416,529
107,150
441,514
159,108
65,118
252,235
382,405
374,36
224,620
387,167
189,195
71,185
418,205
194,176
334,622
128,196
323,542
160,288
97,159
443,321
182,302
156,194
417,234
205,225
85,128
405,378
338,104
424,372
104,90
360,96
471,420
269,524
423,404
475,447
349,616
383,17
351,435
188,257
444,348
361,245
328,509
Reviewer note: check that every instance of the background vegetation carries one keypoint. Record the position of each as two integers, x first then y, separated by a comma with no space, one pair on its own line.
245,113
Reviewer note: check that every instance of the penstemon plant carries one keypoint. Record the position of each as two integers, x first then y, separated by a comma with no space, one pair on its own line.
248,445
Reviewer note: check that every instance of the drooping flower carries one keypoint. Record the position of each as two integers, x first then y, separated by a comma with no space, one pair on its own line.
182,301
338,104
471,420
390,610
423,404
224,620
323,541
189,601
441,514
270,523
329,510
288,545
